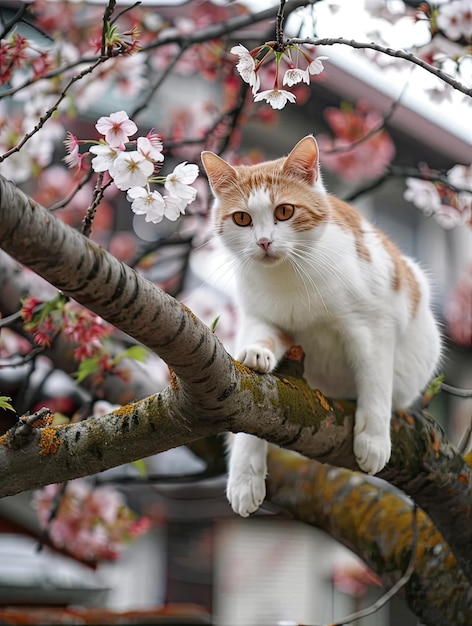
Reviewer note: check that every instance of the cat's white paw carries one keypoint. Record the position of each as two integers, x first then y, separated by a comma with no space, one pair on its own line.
245,492
257,358
372,451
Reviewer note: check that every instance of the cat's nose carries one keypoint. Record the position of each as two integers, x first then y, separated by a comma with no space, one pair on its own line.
264,243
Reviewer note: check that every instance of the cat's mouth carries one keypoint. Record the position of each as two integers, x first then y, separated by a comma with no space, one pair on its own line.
269,258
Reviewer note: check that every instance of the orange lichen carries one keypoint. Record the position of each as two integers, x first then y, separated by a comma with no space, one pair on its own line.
322,400
50,440
436,442
44,420
4,439
242,369
406,416
190,312
174,381
125,410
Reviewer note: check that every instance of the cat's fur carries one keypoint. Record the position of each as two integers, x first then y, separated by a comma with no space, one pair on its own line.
326,279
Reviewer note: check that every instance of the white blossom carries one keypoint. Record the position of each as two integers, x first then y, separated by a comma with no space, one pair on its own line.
295,75
423,194
148,203
277,98
179,181
246,67
105,157
455,19
316,66
131,169
150,151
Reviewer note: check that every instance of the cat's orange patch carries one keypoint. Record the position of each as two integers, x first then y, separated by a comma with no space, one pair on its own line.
403,276
347,217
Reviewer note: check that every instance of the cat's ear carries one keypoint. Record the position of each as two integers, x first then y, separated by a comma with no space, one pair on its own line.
303,160
219,172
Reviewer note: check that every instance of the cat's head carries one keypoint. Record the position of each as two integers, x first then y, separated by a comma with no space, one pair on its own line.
263,212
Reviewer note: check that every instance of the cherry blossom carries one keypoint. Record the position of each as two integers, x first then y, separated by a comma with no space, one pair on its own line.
148,203
179,181
458,311
277,98
92,524
117,128
246,67
175,206
423,194
105,157
151,150
295,75
73,157
131,169
316,66
455,19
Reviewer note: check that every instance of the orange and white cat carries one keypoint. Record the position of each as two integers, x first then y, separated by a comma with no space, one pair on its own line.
313,272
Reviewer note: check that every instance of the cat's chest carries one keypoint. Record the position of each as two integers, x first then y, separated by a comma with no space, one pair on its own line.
285,301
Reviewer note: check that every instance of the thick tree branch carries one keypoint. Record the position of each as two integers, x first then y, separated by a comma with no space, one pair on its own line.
354,511
210,393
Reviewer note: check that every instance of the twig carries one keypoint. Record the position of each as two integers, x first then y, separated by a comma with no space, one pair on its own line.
456,391
279,28
98,194
50,112
62,203
56,503
399,54
105,23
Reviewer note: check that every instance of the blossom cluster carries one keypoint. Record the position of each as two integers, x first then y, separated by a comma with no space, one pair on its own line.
361,148
45,319
250,62
92,524
450,206
134,171
455,19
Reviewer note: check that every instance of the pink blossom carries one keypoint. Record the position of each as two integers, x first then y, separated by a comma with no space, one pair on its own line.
93,524
458,311
117,128
73,157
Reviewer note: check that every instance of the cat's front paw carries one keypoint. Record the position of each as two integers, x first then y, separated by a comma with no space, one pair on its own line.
257,358
372,451
246,492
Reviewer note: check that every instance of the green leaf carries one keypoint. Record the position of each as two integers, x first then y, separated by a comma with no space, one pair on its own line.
5,403
138,353
433,389
86,368
214,323
140,465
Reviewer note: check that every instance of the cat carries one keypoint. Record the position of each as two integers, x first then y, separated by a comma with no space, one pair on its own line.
312,271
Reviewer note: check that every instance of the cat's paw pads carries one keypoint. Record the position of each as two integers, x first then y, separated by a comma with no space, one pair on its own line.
372,451
246,492
257,358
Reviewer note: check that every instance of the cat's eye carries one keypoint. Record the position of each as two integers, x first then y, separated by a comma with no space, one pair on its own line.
241,218
284,212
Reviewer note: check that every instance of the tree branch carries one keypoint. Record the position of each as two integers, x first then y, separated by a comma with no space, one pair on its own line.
399,54
357,513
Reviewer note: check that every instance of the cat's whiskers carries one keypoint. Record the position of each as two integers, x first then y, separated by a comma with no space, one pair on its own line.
322,259
306,278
